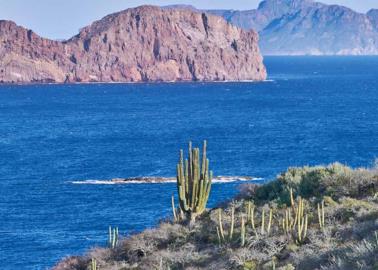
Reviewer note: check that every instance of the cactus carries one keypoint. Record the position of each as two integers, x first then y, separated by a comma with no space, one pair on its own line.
93,264
298,225
264,229
302,229
221,232
287,222
219,237
270,220
113,237
175,217
301,222
252,216
292,202
242,231
193,182
273,264
232,222
249,209
321,215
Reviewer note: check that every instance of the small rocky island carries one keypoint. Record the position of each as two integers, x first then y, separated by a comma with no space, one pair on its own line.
144,44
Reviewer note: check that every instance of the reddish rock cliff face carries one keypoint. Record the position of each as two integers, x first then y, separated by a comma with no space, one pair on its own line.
141,44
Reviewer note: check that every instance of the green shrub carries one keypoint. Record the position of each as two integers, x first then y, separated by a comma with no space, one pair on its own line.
335,180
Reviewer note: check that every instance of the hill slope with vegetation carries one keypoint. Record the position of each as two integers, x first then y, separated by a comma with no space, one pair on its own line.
323,217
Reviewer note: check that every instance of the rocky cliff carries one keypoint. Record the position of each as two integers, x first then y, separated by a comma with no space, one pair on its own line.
142,44
299,27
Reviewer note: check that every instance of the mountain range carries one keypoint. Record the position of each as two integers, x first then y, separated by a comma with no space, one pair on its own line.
306,27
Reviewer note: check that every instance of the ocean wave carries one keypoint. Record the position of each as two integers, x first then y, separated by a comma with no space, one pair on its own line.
160,180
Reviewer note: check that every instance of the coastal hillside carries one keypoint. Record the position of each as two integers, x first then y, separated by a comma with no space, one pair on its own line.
300,27
143,44
323,217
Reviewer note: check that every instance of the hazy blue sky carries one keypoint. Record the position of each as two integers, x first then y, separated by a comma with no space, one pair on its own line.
62,18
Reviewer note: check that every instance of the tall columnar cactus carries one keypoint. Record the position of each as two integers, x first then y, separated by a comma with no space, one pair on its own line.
113,237
193,182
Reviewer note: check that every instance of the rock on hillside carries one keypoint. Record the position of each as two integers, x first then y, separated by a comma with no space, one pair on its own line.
142,44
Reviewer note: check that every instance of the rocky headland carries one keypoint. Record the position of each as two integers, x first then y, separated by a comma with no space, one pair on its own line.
144,44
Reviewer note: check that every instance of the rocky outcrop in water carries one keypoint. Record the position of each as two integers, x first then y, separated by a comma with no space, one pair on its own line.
142,44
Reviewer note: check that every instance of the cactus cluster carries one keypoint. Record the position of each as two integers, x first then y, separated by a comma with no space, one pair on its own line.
265,227
113,237
295,221
193,182
220,231
245,219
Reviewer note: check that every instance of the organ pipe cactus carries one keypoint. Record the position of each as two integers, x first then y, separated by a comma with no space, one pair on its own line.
113,237
193,182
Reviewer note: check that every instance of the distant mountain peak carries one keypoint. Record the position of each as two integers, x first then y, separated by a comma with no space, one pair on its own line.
284,3
182,6
309,27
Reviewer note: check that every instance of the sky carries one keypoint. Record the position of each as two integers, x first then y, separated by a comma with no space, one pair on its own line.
62,19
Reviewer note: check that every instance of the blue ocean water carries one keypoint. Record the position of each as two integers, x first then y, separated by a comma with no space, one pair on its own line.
312,110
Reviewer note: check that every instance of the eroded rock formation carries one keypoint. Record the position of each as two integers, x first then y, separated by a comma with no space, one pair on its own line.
142,44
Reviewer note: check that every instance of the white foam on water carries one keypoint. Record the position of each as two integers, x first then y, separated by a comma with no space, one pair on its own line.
162,180
93,182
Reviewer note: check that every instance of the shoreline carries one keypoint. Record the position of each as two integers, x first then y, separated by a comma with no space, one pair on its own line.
132,83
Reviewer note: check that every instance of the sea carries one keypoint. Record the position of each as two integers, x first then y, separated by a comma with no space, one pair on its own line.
60,144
